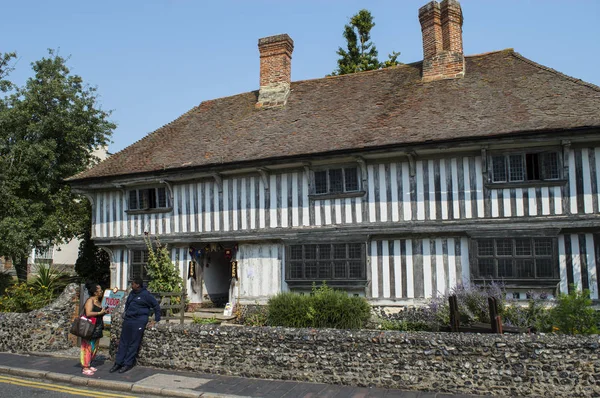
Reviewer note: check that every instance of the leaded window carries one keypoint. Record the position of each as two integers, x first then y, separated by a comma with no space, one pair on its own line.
525,166
148,198
138,265
326,262
515,258
336,180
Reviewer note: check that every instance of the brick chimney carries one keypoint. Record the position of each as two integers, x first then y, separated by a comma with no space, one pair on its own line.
441,25
275,70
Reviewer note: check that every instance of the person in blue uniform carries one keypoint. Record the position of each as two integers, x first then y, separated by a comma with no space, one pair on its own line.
135,318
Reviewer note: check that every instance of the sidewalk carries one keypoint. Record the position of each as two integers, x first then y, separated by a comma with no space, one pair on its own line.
145,380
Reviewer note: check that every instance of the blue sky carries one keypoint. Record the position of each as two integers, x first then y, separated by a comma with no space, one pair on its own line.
154,60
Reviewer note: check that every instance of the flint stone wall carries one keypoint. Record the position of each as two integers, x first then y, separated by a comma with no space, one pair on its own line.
46,329
484,364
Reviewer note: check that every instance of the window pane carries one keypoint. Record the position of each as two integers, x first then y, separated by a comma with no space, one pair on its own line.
324,252
324,269
525,268
486,267
516,169
152,199
143,198
336,180
310,252
355,250
296,252
523,247
543,247
533,166
133,202
162,197
505,268
339,269
296,269
339,251
321,181
136,271
310,269
550,167
137,256
544,268
485,247
498,169
356,268
351,179
504,247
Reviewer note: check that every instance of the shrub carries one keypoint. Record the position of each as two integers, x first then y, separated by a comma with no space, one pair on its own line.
289,309
22,297
49,277
573,313
535,315
205,321
324,308
472,303
6,280
256,317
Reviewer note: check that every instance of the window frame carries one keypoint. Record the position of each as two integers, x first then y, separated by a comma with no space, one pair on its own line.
143,197
331,280
539,153
515,280
143,264
344,193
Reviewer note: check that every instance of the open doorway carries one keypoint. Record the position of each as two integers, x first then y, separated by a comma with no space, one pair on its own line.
214,270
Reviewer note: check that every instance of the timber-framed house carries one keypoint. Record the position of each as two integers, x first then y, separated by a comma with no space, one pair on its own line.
396,184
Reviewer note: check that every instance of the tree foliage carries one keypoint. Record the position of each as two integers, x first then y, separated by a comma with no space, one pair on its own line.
361,53
48,130
164,277
92,262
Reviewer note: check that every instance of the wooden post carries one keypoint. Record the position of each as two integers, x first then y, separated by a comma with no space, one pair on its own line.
182,304
493,314
454,314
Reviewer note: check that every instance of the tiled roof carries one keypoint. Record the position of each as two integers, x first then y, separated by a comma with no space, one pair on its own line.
501,93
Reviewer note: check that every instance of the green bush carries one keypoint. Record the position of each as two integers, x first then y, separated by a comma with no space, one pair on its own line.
205,321
289,309
472,304
22,297
49,277
535,315
256,317
6,280
573,313
324,308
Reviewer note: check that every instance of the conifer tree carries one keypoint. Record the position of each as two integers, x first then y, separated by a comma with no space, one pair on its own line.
361,53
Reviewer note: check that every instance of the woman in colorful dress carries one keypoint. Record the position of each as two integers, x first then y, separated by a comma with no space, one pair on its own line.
93,309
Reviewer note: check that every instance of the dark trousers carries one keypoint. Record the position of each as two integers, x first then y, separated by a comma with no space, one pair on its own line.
131,337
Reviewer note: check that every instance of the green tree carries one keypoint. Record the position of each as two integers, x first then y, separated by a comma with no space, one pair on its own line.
361,53
164,277
92,262
48,131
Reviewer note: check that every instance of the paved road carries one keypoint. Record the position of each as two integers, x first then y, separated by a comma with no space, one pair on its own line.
20,387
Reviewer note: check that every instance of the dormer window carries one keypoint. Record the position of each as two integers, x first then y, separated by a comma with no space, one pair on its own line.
148,199
336,181
523,167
